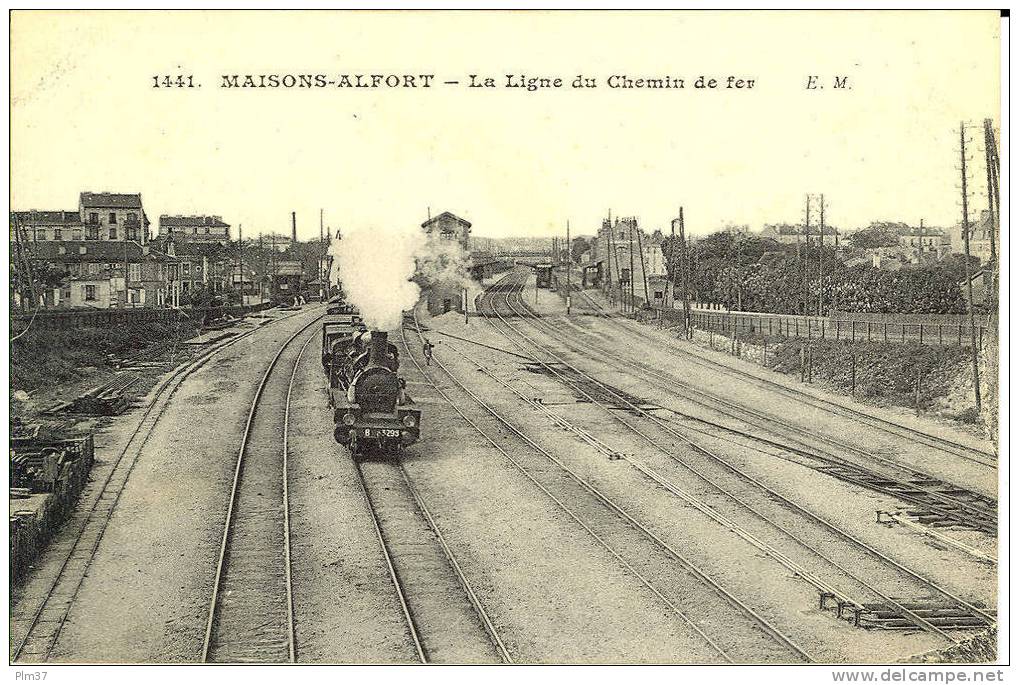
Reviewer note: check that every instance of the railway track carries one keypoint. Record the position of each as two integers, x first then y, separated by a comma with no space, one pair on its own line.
251,612
727,627
753,498
48,611
935,502
446,621
966,452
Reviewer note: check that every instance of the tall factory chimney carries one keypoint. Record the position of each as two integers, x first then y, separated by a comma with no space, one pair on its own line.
293,228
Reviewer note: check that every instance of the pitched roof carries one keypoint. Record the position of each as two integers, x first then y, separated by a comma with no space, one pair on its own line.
446,215
95,251
112,200
47,218
188,248
197,220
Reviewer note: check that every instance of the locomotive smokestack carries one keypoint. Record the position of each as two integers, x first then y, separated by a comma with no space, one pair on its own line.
377,355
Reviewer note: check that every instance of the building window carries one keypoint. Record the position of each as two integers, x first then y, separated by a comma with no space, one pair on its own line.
113,232
206,231
75,234
132,217
93,268
58,234
132,232
90,293
658,294
93,217
134,272
92,232
113,217
185,269
40,234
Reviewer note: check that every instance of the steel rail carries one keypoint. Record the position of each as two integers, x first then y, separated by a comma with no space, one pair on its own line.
874,552
228,524
686,563
393,575
947,445
166,389
653,377
286,505
467,586
686,496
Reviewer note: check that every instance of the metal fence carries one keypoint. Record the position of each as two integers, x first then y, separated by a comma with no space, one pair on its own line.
65,320
822,328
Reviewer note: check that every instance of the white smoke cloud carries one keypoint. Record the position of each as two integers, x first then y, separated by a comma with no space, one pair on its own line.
375,267
443,261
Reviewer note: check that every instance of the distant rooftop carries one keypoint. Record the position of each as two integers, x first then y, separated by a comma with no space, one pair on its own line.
47,218
112,200
189,220
446,215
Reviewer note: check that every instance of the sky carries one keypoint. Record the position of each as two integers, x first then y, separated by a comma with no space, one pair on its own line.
86,117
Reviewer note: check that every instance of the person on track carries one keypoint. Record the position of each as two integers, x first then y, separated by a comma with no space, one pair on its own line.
427,349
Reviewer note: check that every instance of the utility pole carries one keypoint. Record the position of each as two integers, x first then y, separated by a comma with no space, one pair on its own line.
671,270
820,261
125,269
632,301
685,278
569,264
806,260
969,278
240,257
27,286
612,253
643,269
739,274
991,155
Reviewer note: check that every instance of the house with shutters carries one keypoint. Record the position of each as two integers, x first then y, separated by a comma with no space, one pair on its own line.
196,229
99,273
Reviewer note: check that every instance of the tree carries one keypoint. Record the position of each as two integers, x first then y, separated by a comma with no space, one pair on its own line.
578,246
878,234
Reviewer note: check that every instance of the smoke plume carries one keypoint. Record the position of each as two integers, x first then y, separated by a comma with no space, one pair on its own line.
443,262
375,267
380,269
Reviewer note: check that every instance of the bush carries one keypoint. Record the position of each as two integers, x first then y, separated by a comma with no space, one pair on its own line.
884,372
56,357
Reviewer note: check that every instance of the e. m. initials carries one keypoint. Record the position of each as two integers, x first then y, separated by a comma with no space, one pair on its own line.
838,83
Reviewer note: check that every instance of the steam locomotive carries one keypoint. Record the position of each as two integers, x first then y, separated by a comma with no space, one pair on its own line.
371,409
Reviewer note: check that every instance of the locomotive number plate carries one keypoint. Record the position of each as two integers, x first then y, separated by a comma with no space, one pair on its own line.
381,433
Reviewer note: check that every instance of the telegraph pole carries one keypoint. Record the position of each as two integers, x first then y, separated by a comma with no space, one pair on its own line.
671,270
991,155
643,268
820,260
806,260
969,278
612,250
684,256
632,302
240,256
569,263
